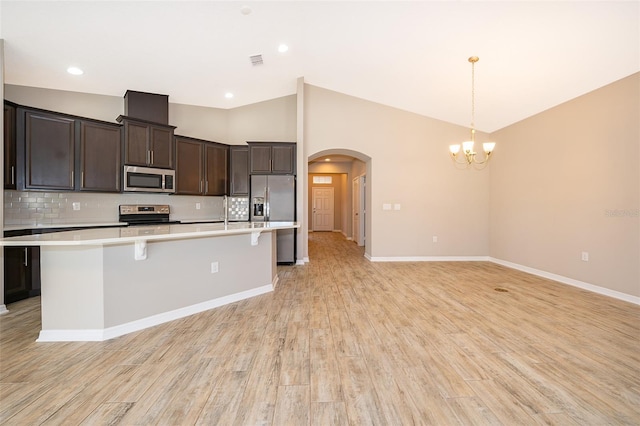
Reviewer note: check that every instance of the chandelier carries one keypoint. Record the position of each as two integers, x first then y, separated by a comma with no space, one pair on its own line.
469,155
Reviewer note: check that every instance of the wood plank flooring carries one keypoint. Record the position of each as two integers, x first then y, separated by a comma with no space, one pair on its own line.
343,341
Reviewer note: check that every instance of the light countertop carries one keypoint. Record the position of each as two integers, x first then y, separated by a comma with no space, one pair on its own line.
107,236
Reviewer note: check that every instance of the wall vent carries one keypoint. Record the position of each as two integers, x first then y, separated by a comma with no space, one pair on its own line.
256,60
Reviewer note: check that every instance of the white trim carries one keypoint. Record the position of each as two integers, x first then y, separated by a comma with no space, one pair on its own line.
570,281
3,309
428,258
301,262
275,281
98,335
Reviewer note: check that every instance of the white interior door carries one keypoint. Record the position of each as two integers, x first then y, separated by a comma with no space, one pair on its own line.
358,210
322,209
355,214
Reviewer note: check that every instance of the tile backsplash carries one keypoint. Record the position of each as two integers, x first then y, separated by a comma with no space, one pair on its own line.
45,208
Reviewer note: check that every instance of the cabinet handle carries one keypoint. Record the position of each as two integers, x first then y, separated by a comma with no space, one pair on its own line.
206,186
26,257
73,181
82,178
151,157
13,175
148,159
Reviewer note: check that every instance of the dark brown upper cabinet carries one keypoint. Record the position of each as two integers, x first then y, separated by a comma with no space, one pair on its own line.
100,157
147,144
49,150
216,169
9,146
201,167
272,158
238,170
56,152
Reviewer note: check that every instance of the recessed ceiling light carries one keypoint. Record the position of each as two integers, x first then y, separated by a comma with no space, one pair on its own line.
245,10
283,48
228,95
75,71
327,159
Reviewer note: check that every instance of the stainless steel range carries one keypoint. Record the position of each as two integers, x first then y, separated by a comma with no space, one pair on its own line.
145,214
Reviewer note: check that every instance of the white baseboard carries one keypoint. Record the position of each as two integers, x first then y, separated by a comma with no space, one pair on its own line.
301,262
427,258
3,309
570,281
98,335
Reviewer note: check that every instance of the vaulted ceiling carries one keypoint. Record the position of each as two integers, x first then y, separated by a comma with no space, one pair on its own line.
410,55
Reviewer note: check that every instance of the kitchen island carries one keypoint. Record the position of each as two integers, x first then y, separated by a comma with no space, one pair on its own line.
98,284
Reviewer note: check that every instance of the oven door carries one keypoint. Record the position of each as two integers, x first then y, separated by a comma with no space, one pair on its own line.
146,179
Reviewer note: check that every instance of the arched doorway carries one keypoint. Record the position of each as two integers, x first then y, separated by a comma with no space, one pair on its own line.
351,171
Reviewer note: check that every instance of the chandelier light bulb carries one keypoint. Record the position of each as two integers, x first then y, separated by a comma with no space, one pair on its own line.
488,147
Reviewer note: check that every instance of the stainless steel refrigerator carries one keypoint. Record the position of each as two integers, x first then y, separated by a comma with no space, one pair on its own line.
273,199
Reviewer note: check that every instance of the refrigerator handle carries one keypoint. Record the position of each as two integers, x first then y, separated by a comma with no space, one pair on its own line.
267,208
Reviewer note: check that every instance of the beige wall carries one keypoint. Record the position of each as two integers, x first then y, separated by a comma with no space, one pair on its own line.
273,120
99,107
410,166
2,306
566,181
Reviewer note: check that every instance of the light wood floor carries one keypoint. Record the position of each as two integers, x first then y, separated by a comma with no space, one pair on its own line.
345,341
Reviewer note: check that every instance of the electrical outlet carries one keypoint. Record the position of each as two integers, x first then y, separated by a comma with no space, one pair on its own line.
76,206
197,206
396,206
435,239
585,256
214,267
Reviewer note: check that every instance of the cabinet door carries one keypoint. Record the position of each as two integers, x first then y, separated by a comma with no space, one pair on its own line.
239,170
161,147
100,157
9,147
282,159
16,274
189,165
136,141
216,169
260,158
49,143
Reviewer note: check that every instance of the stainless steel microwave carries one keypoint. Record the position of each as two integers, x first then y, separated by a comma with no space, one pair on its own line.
148,179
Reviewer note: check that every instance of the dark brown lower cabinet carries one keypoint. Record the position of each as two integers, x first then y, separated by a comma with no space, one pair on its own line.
21,273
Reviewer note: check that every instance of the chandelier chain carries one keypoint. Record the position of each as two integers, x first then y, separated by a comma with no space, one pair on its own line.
473,97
